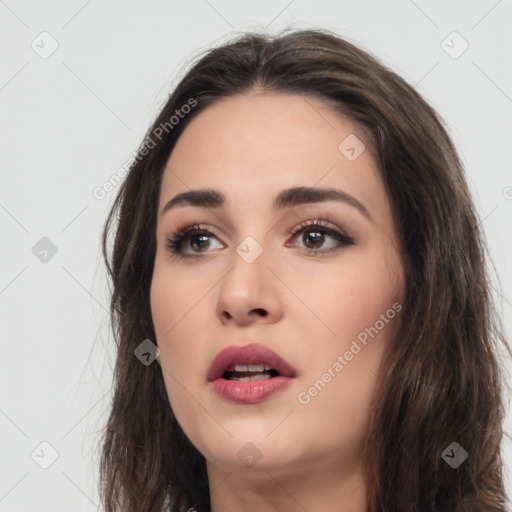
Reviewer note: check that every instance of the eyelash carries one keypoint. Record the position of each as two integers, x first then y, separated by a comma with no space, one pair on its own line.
174,241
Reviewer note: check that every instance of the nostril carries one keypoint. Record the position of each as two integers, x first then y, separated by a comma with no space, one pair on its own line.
261,311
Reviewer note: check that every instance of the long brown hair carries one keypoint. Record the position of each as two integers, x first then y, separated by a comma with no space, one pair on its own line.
439,383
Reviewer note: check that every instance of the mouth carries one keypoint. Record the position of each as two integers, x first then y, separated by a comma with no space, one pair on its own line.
249,373
249,362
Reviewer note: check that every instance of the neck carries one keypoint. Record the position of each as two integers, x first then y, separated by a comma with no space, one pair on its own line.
319,487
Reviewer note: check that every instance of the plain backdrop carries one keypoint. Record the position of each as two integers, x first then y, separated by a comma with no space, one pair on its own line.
80,83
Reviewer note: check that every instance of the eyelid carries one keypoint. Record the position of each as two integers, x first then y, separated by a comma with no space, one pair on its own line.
330,229
321,222
181,233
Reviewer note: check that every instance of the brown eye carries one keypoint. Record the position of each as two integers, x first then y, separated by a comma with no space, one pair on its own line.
202,242
190,241
319,238
313,239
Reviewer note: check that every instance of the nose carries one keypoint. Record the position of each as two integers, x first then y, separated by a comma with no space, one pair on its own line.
249,293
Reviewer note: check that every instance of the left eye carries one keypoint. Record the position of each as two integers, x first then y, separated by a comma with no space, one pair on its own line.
314,236
198,234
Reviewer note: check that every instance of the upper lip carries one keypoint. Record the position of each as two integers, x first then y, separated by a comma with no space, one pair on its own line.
248,354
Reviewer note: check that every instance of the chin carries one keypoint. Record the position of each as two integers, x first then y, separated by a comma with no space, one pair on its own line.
246,456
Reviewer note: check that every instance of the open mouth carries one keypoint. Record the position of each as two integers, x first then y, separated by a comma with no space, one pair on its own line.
248,372
245,363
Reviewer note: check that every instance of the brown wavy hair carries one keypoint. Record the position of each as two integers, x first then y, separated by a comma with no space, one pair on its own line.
439,382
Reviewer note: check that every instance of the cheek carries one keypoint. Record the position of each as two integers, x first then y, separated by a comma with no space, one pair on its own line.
180,310
359,304
169,309
177,299
342,377
176,312
349,297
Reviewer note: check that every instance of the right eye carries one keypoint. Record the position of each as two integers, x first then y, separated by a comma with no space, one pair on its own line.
196,236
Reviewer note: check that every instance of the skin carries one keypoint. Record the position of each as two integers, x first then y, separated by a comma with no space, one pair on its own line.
307,308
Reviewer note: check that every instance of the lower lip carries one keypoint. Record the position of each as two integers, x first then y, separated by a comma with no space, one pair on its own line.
251,391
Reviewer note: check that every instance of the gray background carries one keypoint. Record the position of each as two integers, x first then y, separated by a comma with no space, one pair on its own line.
71,119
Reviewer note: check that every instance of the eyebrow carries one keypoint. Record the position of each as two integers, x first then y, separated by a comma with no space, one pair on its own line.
208,198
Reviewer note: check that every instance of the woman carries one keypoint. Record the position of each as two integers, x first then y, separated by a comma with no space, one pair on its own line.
300,300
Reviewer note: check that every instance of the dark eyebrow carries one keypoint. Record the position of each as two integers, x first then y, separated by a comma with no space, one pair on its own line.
208,198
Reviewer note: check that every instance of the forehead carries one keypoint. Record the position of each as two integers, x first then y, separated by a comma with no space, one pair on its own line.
260,144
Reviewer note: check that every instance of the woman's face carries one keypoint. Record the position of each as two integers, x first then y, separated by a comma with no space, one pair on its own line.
260,271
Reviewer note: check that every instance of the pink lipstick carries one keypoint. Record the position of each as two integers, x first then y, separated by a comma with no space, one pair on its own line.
249,374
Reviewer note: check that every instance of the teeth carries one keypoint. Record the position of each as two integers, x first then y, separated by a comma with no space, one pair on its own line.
240,379
261,376
258,376
251,367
